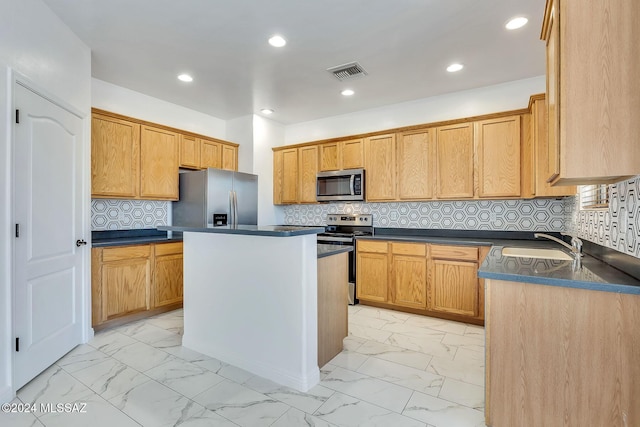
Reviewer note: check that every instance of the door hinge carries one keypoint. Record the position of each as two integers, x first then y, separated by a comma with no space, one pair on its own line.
17,344
17,230
17,116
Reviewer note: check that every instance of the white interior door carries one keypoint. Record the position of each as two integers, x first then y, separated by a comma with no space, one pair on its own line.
48,211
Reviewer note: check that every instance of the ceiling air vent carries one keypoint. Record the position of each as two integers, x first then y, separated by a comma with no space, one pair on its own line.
347,71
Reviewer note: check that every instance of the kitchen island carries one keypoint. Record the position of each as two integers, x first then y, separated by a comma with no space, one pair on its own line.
251,299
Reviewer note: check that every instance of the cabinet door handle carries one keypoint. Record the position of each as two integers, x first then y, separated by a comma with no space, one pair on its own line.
80,243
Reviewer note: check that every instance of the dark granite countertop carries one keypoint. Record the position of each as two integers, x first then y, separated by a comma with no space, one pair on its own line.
131,237
593,275
251,230
328,250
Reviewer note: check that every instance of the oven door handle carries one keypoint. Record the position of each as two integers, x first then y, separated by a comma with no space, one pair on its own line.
335,239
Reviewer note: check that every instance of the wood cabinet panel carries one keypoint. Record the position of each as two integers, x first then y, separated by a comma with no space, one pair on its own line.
168,248
289,176
372,280
416,174
373,246
498,156
189,152
229,158
333,277
380,164
454,161
125,287
572,359
593,91
418,249
329,157
409,280
210,154
460,253
278,177
168,279
453,287
307,171
351,154
159,160
120,253
115,157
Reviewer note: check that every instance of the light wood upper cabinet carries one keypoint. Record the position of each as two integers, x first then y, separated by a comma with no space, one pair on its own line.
498,157
307,171
189,152
416,172
289,176
167,274
593,91
278,177
409,274
210,154
453,281
339,155
229,158
540,150
115,157
380,166
351,154
159,159
454,161
329,157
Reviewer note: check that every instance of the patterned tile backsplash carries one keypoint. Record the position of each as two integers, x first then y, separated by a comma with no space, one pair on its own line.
108,214
617,227
503,215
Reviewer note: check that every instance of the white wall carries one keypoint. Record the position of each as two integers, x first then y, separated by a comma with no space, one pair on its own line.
266,134
486,100
36,44
120,100
240,131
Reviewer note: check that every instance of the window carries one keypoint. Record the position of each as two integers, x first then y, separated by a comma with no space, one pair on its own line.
594,197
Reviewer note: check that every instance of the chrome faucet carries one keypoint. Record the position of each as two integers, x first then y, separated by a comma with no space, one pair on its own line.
575,247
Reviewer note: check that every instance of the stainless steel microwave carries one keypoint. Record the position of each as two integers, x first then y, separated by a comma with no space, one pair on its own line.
345,185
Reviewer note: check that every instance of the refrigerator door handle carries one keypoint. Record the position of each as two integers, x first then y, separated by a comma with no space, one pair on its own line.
235,209
231,211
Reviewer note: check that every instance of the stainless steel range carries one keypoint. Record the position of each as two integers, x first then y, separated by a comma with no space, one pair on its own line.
343,229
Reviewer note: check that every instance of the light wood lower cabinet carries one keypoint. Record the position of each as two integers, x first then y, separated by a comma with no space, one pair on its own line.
130,282
435,280
333,279
560,356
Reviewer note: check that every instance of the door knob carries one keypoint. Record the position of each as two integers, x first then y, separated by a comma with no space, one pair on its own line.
80,243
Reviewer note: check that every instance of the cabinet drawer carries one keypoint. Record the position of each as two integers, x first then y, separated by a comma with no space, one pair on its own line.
168,248
466,253
418,249
370,246
127,252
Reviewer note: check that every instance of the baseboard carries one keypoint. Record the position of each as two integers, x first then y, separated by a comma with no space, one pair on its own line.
6,394
301,382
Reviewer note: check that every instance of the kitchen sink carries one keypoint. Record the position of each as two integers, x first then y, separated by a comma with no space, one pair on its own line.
536,253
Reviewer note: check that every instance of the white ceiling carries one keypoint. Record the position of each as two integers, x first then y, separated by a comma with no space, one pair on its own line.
404,45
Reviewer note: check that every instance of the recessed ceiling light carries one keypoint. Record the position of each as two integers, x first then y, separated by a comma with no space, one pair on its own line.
266,111
277,41
347,92
185,78
516,23
454,67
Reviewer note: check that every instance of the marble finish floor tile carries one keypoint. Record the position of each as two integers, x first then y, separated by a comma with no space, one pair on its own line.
110,378
442,413
141,356
396,369
241,405
153,404
19,418
184,377
369,389
347,411
403,356
404,376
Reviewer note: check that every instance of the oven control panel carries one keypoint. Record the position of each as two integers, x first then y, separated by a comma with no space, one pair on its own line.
350,219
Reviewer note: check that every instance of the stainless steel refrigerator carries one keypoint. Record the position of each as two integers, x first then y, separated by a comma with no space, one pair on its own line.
214,191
